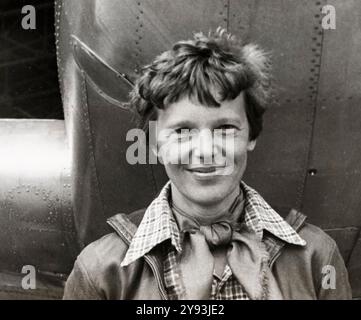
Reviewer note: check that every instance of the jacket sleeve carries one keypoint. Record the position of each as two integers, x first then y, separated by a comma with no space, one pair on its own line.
334,283
79,285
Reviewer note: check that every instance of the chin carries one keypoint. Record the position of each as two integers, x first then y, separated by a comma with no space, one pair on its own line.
207,197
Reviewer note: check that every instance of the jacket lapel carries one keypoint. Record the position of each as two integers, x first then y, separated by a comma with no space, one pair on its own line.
126,227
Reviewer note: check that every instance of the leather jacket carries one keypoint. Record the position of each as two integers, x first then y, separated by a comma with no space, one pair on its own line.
300,272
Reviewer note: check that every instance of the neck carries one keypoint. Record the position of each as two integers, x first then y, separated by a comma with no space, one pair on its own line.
200,211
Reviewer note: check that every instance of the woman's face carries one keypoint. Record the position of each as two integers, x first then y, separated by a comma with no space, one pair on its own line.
204,149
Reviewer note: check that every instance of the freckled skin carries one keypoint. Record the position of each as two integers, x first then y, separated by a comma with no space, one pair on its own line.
201,193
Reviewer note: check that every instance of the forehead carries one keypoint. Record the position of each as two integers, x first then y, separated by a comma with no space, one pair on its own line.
186,110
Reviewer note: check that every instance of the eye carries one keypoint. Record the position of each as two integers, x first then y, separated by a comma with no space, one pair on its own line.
182,130
183,133
226,129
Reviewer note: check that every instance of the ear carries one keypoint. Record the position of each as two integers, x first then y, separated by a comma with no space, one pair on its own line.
251,145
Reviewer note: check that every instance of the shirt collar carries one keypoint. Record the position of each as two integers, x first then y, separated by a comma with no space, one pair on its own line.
260,216
158,224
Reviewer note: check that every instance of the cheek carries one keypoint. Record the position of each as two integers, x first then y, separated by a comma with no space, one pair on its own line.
241,160
175,152
236,158
235,150
176,174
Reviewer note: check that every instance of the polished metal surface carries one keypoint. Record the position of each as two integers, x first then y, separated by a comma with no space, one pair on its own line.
36,216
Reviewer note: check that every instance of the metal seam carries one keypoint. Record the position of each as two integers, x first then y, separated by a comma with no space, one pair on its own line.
87,123
228,6
138,34
149,170
314,100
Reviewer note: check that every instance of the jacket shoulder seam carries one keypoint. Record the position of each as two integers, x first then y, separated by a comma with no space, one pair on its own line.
91,282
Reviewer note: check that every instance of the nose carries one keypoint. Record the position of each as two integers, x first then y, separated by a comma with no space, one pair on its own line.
203,147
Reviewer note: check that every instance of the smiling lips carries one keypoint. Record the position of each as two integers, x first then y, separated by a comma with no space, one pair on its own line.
205,170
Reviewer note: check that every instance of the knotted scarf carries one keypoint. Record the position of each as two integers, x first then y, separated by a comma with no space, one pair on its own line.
208,247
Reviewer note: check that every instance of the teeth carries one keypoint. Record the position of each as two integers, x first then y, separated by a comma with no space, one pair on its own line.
204,170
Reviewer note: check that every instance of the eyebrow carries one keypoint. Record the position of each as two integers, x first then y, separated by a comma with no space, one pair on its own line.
217,122
228,120
182,123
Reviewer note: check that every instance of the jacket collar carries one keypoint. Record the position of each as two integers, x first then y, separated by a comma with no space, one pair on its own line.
158,224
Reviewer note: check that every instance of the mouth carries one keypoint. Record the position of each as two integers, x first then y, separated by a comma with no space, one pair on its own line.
205,171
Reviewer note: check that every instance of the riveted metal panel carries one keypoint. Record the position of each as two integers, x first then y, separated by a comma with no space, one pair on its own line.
332,194
335,152
36,215
287,30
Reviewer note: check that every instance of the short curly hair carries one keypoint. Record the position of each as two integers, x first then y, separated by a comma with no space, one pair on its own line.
208,69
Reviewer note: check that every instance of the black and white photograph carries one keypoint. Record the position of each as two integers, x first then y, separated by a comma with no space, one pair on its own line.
180,150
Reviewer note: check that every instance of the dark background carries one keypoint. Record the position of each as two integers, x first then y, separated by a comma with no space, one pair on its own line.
28,72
